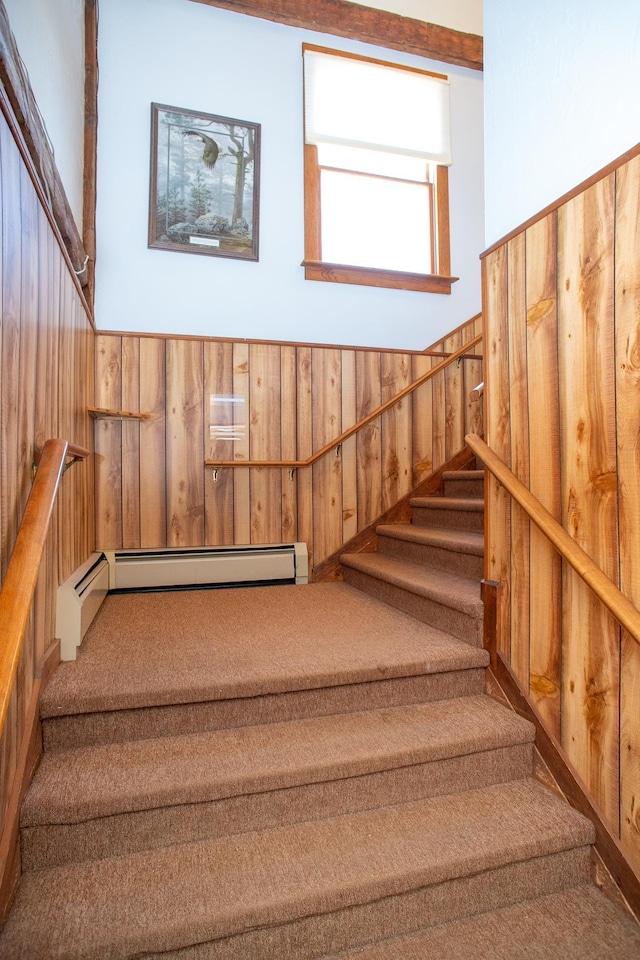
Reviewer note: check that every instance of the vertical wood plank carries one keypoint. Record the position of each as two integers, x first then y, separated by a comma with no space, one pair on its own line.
305,448
627,298
590,643
349,448
219,443
264,442
131,444
438,415
241,501
422,413
185,450
497,505
519,445
288,443
544,467
396,430
153,505
11,294
369,442
108,444
453,399
327,472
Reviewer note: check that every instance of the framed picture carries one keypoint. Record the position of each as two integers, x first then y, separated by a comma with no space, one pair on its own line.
204,185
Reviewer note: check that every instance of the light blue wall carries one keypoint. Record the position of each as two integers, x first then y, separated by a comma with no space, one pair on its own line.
195,56
561,99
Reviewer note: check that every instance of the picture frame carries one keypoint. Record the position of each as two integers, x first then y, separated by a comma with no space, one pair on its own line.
204,183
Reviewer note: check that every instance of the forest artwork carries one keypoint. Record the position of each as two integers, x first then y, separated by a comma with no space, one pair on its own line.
204,183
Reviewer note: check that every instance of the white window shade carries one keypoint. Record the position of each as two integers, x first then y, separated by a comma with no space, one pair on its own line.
376,107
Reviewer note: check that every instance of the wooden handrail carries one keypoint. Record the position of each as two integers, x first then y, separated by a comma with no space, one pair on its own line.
21,577
357,426
606,591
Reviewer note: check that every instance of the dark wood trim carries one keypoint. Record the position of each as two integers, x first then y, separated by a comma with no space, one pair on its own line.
367,540
43,167
442,238
369,25
565,198
489,592
288,343
27,764
373,277
607,845
90,141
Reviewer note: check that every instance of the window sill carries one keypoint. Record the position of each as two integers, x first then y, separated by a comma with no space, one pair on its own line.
373,277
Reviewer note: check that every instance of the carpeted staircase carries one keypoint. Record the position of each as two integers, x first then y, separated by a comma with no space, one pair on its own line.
303,772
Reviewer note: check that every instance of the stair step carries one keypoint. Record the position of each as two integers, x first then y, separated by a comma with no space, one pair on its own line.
451,513
331,883
445,600
576,924
463,483
243,660
458,551
118,798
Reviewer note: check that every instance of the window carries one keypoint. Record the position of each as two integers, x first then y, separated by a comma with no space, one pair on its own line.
376,178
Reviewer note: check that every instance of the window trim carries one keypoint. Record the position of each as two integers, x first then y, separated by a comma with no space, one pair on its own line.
317,269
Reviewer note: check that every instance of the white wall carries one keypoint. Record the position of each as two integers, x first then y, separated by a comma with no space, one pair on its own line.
194,56
562,84
463,15
50,38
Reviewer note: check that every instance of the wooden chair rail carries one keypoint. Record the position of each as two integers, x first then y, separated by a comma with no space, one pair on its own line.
293,464
606,591
20,580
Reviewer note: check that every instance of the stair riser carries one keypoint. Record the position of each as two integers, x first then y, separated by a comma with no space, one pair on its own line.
318,935
463,488
455,622
48,846
61,733
448,519
463,564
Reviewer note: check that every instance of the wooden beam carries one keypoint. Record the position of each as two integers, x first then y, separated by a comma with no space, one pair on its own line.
343,19
23,103
90,141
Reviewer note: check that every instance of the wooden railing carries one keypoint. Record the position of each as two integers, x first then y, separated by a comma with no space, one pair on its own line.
606,591
21,577
459,354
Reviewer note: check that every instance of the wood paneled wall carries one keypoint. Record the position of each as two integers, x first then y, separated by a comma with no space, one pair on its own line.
562,312
46,376
153,489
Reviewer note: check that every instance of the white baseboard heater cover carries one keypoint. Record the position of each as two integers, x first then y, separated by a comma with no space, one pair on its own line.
80,596
77,602
193,566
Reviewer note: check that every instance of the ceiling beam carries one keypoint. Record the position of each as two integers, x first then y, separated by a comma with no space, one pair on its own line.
344,19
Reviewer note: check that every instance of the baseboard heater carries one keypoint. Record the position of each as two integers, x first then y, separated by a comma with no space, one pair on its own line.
79,598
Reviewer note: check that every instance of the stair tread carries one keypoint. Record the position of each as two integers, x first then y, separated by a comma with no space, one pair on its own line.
193,892
450,589
465,504
577,924
224,644
77,785
458,541
463,475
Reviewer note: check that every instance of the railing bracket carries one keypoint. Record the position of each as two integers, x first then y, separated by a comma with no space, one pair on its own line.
338,450
214,474
291,473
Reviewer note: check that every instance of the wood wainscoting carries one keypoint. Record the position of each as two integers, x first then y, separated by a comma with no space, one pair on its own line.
46,372
561,303
288,400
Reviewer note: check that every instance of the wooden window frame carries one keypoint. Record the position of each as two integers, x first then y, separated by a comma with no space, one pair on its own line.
317,269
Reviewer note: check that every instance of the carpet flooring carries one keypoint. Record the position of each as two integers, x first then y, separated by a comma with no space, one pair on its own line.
302,773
